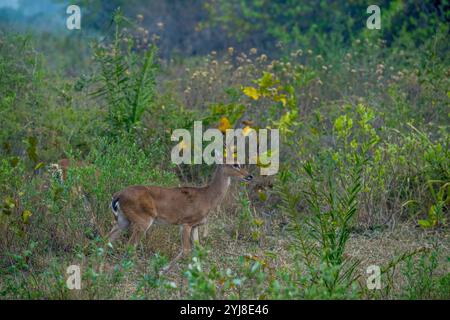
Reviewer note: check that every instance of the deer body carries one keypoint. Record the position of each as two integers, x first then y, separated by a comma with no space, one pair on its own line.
139,207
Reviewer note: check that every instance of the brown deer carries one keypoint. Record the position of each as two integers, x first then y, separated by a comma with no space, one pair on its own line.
137,207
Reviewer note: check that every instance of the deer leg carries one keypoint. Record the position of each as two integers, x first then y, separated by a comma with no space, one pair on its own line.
138,230
121,225
136,235
186,247
205,230
114,233
195,239
186,240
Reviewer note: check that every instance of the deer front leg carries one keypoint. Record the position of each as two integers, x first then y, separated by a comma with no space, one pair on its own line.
186,248
186,239
205,230
195,238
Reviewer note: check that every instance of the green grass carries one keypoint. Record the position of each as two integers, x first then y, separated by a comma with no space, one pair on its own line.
364,174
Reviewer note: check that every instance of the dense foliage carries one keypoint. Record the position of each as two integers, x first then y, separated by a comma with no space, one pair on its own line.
364,162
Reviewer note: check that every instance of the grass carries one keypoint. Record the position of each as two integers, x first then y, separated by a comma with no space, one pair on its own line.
364,174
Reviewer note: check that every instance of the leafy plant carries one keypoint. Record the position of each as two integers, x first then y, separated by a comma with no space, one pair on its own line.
436,212
422,278
330,225
127,77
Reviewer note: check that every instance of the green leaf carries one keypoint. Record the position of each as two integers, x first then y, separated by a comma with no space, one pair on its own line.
255,267
251,92
26,214
425,224
39,165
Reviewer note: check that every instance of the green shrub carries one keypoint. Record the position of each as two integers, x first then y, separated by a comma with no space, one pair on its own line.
126,78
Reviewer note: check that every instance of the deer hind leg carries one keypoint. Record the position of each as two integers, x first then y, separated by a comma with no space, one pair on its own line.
139,229
141,219
186,247
114,233
121,225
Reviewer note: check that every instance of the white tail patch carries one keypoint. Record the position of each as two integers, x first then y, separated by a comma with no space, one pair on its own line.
115,207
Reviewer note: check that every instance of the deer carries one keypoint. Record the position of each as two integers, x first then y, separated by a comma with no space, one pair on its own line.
60,172
138,207
61,168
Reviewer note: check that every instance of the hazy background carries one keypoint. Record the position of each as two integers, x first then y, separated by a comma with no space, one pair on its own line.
197,27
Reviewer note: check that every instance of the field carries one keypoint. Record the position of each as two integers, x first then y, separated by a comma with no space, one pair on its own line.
363,186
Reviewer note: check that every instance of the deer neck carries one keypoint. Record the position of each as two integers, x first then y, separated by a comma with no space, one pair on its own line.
218,186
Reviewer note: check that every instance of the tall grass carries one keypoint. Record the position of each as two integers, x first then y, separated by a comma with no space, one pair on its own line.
365,150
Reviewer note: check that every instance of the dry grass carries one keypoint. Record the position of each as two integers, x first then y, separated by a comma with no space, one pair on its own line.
371,247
